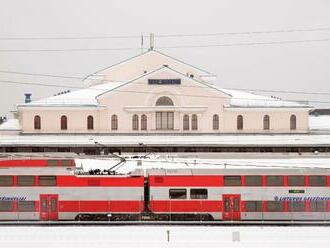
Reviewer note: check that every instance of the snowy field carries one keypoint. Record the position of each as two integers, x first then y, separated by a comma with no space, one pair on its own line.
163,236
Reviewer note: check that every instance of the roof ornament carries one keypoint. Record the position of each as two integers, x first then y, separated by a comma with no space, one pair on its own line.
152,41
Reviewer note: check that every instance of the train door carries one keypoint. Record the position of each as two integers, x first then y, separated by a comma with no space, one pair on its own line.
231,207
48,207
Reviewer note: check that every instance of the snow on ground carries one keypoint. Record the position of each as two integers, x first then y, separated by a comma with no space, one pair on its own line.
157,236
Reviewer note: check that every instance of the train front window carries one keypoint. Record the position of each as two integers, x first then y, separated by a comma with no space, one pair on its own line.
178,194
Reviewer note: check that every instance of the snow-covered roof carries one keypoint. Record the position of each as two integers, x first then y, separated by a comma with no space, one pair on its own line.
10,125
321,122
247,99
83,97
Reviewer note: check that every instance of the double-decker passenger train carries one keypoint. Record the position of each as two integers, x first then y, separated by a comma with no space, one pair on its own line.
48,189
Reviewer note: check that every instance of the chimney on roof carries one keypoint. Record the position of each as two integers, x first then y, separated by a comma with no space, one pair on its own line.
27,97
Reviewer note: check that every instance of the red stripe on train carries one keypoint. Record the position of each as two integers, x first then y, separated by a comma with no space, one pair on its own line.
186,206
73,181
186,181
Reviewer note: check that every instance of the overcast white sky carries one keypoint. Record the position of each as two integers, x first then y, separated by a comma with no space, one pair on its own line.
296,67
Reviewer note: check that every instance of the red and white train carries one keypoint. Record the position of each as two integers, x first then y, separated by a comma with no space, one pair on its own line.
51,189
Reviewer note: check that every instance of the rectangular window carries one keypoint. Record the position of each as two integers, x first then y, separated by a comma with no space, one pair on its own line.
47,180
274,180
26,206
253,206
198,193
25,180
296,206
6,206
6,181
66,163
232,180
253,180
164,120
178,193
296,180
317,180
275,206
51,162
318,206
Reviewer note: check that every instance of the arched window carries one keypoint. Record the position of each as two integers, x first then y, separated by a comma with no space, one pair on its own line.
64,122
135,122
239,122
37,122
164,101
215,122
194,122
293,122
266,122
186,122
114,122
144,122
90,122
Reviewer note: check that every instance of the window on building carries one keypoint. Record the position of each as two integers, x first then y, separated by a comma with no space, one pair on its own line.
186,122
178,193
37,122
135,122
6,206
318,206
6,181
144,122
198,194
266,123
232,180
317,180
64,122
296,180
26,206
47,180
90,122
164,101
296,206
164,120
253,206
239,122
275,206
253,180
293,122
274,180
114,122
25,180
194,122
215,122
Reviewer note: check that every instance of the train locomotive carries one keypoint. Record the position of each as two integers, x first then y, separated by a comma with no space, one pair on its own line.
47,189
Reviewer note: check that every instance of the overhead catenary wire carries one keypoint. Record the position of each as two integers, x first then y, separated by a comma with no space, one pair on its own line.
178,35
281,42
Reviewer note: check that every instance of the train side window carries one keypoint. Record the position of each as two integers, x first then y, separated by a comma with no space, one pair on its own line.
232,180
47,180
178,193
274,180
275,206
26,206
296,180
6,181
198,193
318,206
51,162
253,206
317,181
66,163
296,206
25,180
6,206
253,180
